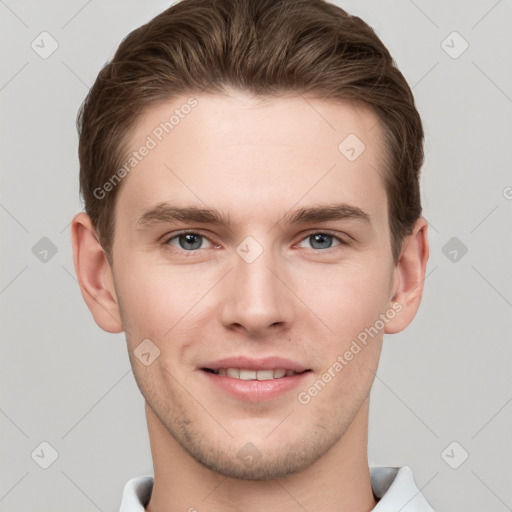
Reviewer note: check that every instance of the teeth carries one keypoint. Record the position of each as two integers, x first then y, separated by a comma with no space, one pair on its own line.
265,374
243,374
247,374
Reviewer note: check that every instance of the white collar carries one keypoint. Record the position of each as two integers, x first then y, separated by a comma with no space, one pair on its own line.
394,486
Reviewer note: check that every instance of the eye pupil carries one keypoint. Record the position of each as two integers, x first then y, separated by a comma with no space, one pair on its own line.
321,238
190,239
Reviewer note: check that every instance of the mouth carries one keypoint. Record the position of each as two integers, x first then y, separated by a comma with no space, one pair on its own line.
248,374
255,380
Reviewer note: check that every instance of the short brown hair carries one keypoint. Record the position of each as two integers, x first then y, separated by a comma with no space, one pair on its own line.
263,47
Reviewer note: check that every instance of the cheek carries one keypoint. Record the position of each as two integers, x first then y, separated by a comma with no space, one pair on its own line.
158,300
348,297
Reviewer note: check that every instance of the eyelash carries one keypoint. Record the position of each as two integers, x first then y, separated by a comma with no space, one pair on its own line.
192,253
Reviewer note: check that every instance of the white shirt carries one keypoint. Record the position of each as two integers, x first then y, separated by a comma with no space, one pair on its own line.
394,487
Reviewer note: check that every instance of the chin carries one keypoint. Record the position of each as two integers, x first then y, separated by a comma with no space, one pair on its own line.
256,467
254,461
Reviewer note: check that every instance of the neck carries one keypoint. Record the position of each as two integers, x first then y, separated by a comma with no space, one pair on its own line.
337,482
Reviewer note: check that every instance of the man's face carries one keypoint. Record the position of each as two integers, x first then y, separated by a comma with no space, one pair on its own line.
266,286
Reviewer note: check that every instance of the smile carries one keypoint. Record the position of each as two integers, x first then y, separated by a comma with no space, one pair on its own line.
246,374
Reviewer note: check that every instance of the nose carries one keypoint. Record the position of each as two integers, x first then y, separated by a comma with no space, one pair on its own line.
255,296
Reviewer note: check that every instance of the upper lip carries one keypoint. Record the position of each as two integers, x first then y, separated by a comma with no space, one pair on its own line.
249,363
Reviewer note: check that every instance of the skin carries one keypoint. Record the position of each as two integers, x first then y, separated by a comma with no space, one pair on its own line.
254,160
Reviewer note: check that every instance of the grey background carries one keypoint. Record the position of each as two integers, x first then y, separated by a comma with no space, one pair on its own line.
446,378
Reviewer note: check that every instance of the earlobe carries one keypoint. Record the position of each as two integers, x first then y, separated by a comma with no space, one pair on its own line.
410,276
94,274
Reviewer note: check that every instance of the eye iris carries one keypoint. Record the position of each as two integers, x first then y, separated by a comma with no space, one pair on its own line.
190,238
322,239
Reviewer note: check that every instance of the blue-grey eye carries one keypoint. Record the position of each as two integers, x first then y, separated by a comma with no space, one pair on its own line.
187,241
190,241
321,240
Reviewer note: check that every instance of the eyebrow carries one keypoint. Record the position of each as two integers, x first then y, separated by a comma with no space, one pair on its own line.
165,213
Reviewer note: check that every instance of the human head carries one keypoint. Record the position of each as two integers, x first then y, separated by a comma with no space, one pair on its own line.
255,141
263,47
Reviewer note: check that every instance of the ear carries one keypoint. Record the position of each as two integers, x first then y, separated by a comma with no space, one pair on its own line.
94,274
409,277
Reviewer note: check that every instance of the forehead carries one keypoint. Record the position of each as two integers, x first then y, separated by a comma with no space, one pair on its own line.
256,154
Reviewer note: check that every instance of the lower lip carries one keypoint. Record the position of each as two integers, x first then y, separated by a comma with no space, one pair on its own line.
256,390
